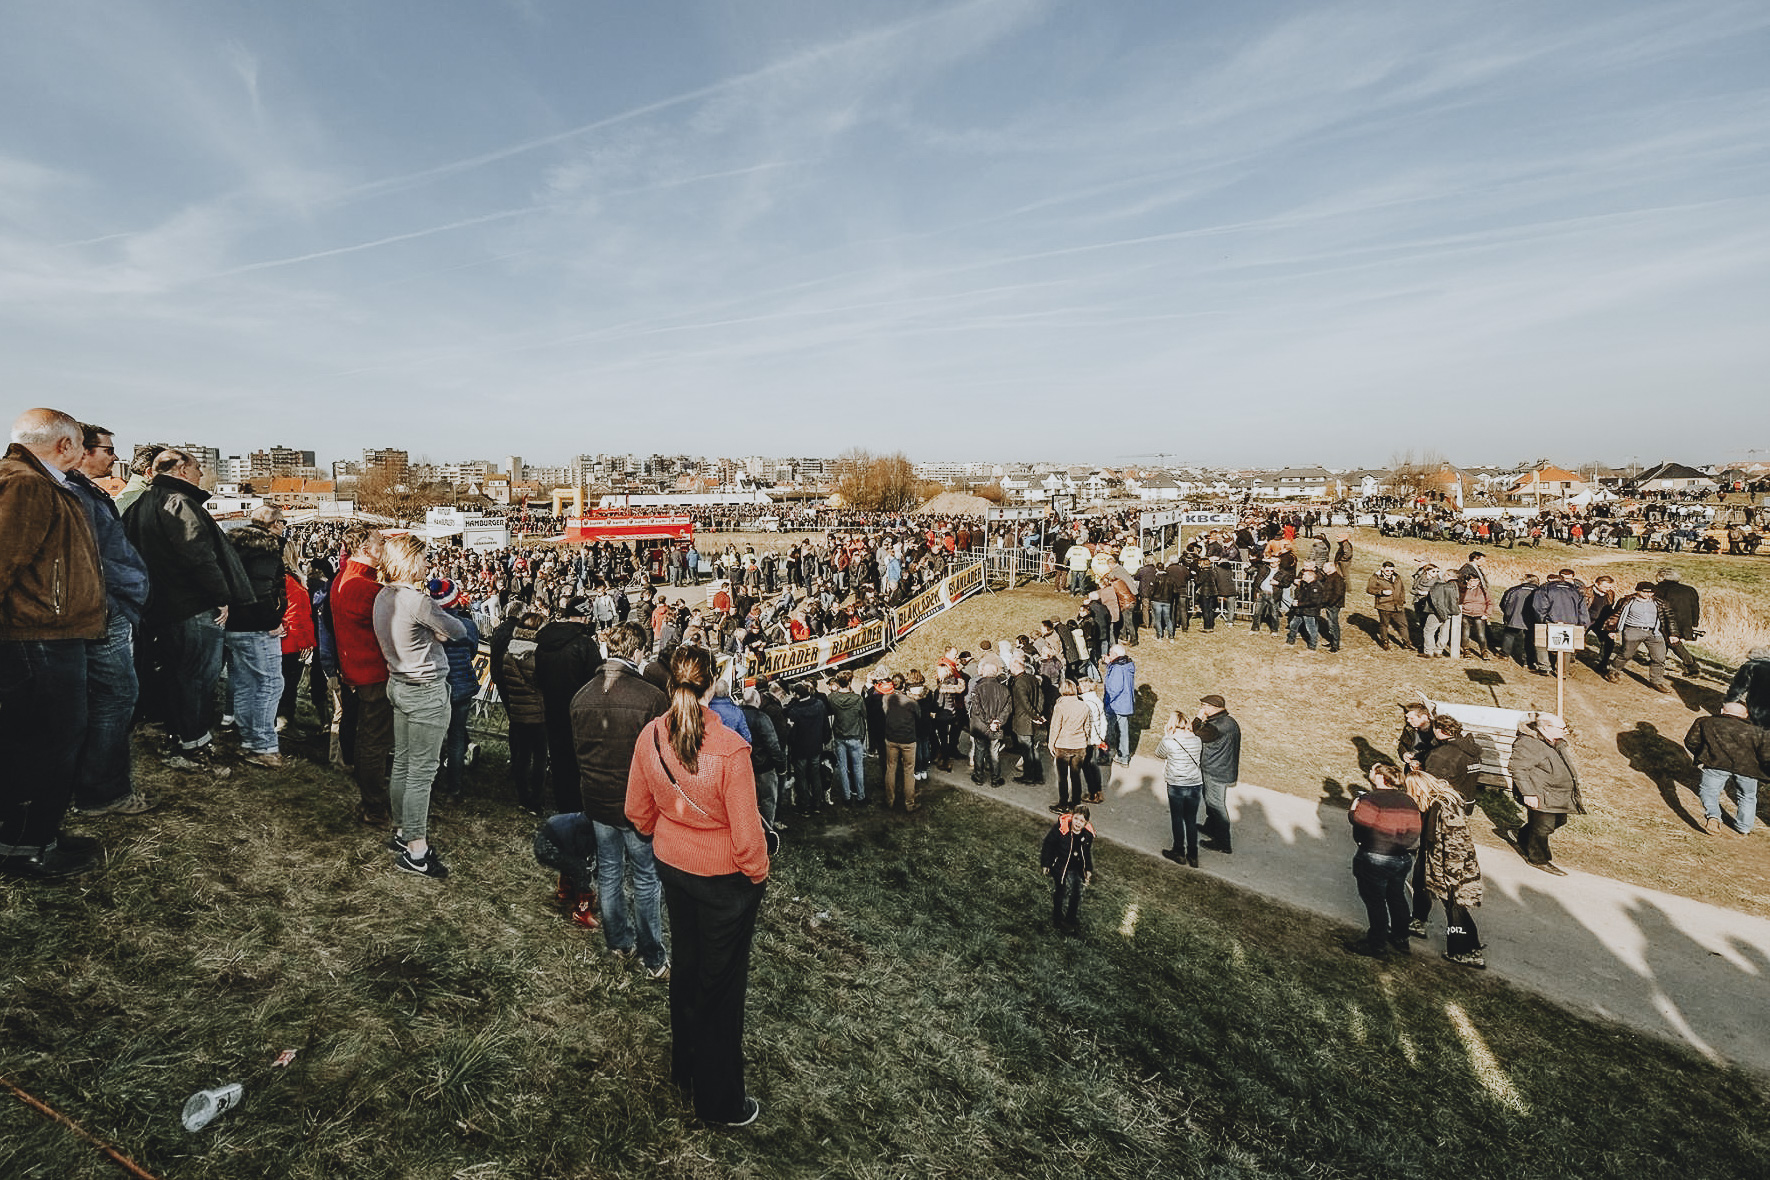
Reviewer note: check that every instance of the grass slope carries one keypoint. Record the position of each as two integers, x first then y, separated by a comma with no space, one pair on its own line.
911,1013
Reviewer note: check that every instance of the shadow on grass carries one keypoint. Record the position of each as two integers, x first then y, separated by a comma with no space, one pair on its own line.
1663,761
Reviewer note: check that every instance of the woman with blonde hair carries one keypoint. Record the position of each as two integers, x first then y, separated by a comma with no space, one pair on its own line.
1068,743
692,788
411,630
1182,751
1447,860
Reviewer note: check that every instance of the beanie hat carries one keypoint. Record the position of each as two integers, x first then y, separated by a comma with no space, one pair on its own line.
444,592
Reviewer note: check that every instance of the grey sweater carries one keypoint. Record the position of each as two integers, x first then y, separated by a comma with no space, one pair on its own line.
411,629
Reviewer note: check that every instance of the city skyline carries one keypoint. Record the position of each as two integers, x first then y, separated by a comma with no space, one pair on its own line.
1303,234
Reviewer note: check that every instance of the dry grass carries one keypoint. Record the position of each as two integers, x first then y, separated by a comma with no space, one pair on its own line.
1314,722
910,1014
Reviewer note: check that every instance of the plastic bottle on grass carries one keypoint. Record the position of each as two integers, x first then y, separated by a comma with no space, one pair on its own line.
205,1106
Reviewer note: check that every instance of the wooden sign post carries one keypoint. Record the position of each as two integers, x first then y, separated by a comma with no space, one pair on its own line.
1561,638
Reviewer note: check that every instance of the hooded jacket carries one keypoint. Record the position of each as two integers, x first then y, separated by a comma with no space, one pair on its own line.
1545,771
261,557
1068,848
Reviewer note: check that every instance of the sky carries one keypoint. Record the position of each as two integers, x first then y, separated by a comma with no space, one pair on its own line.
1165,231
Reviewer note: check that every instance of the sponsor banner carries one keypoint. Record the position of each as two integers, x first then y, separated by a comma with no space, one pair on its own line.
1209,518
630,527
1162,519
1014,513
485,538
949,591
816,655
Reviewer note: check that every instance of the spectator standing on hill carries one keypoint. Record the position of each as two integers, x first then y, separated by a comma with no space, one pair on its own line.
363,670
1602,608
1685,603
1385,590
1183,772
1333,600
411,632
1729,747
848,724
52,604
1444,607
1221,737
1455,758
608,715
808,724
1750,686
196,577
1120,702
1416,737
691,789
1027,694
255,635
900,718
1386,825
1519,641
1545,782
463,684
513,650
1446,869
991,707
1476,602
1068,741
566,657
104,782
1067,857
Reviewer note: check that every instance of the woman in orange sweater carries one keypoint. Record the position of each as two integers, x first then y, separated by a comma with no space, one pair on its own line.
692,789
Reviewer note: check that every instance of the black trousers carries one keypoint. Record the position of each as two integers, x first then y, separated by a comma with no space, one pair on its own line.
1474,632
1070,884
712,922
528,762
291,685
1536,833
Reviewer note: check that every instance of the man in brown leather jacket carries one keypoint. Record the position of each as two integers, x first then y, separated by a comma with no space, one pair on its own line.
51,603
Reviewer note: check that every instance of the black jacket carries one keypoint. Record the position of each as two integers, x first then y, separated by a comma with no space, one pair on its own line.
1067,851
1685,604
1457,763
607,716
260,553
1732,744
1221,757
765,748
1028,699
191,567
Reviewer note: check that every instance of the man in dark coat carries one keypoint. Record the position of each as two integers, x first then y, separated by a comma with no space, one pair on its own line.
1545,782
1220,759
566,657
1729,747
195,577
1685,603
607,715
1028,697
1751,686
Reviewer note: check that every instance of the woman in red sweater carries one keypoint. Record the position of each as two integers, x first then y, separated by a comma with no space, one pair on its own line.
692,789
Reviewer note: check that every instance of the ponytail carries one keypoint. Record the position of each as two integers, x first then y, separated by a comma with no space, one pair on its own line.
691,675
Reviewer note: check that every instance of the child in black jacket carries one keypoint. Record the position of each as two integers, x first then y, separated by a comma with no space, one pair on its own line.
1068,859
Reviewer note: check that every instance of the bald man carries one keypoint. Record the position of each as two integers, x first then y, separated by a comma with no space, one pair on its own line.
52,601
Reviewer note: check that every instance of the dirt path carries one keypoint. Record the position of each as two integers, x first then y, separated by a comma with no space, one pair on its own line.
1661,964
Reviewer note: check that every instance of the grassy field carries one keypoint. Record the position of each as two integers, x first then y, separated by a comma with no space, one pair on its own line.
911,1014
1313,722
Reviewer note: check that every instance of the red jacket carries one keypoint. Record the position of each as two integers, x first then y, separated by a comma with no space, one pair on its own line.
360,660
298,618
707,823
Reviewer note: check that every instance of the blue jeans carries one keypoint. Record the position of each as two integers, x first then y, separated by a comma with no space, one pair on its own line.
1118,735
111,690
1714,783
1164,619
1183,802
256,677
420,722
1330,626
1381,886
616,850
42,720
190,654
1307,625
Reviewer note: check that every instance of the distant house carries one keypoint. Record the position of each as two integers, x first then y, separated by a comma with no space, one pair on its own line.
1296,483
1157,487
1545,483
1673,477
301,493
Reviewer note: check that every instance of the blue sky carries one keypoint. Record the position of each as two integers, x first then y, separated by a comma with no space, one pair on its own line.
1227,233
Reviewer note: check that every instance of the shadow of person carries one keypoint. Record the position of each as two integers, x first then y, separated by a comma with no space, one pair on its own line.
1664,761
1143,708
1369,755
1497,804
1699,698
1335,793
1371,627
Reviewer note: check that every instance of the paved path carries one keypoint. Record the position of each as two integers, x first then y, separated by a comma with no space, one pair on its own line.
1676,968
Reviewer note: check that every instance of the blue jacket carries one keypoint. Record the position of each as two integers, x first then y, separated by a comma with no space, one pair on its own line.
1121,687
125,573
1515,605
1560,602
463,682
732,713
